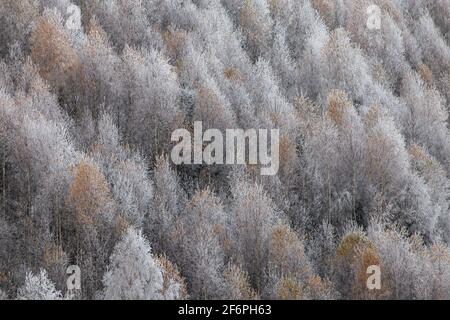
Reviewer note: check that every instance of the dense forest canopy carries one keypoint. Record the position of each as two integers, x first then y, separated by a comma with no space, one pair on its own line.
91,91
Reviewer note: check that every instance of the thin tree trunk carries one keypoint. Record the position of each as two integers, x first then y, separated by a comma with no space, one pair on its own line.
4,184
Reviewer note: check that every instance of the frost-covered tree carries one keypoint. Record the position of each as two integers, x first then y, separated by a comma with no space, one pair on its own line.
307,35
98,85
437,183
283,64
237,284
174,285
385,46
93,222
426,117
126,22
407,196
436,52
200,235
168,206
411,270
209,104
252,218
255,22
290,273
152,94
345,67
133,272
51,49
16,21
38,287
132,190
